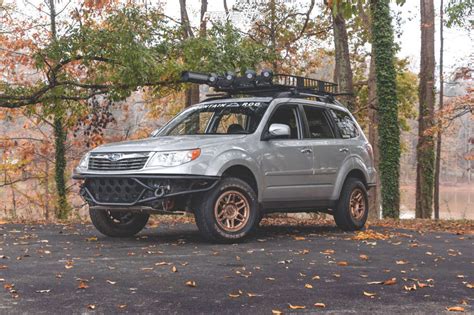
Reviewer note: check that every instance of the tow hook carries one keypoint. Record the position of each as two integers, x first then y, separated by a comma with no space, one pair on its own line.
161,191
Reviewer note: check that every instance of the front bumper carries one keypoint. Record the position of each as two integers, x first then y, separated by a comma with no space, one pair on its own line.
140,190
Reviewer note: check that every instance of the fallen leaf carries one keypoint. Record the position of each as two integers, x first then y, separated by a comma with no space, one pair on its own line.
401,262
91,239
390,281
369,235
328,252
343,263
122,306
174,269
320,305
455,309
162,263
308,286
364,257
111,282
249,294
43,291
191,283
69,264
299,238
369,294
470,285
375,282
91,306
409,287
270,279
3,267
82,285
277,312
296,307
234,295
316,278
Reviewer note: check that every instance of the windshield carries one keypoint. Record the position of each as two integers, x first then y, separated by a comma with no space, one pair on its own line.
217,119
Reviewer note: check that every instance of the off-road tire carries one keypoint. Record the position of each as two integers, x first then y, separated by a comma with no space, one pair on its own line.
205,211
105,224
343,215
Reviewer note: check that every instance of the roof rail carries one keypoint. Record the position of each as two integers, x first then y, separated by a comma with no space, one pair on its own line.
265,84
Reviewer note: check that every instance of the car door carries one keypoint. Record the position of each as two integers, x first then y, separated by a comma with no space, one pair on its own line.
329,150
287,164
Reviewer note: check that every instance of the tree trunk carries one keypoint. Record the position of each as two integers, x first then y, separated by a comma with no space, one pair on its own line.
60,134
425,148
389,135
192,93
374,196
441,104
343,71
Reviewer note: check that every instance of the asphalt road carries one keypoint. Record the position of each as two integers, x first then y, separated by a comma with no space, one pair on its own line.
74,269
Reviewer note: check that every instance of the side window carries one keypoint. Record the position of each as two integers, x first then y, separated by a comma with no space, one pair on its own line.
318,124
286,114
232,123
345,124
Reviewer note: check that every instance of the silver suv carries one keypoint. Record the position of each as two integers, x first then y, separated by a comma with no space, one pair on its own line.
232,160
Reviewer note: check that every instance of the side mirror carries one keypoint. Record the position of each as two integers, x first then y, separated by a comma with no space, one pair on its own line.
277,131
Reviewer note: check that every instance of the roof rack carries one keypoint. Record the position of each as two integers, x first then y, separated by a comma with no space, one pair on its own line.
265,84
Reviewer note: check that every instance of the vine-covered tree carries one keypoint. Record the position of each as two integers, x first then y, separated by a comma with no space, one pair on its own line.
385,76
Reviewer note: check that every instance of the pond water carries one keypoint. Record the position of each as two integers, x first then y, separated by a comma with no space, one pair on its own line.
456,202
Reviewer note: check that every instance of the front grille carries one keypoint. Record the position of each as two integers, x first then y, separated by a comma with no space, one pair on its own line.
117,161
115,190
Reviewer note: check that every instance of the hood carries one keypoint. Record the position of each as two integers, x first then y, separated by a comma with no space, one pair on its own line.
166,143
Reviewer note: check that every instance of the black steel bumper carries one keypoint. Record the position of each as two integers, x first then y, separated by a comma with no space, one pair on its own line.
140,190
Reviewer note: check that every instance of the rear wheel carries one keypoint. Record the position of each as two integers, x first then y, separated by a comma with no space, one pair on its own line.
353,206
228,212
118,223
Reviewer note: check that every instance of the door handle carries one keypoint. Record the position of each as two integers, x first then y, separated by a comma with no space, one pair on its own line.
346,150
306,150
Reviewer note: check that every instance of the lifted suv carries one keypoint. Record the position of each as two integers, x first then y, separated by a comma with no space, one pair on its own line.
232,160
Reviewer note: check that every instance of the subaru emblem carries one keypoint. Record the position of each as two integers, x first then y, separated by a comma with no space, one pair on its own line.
115,156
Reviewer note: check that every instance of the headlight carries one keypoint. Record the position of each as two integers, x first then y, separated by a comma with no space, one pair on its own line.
173,158
84,163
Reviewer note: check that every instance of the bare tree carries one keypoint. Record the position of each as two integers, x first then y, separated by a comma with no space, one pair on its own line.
425,148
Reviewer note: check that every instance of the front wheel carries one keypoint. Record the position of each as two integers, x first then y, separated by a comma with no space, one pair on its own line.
353,206
118,223
228,212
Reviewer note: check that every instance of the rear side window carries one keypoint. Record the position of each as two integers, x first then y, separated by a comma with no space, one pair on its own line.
318,124
345,124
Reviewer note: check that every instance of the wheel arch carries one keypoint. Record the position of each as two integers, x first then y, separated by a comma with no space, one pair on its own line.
242,172
353,171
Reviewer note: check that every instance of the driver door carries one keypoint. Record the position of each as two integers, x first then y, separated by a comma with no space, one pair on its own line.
287,164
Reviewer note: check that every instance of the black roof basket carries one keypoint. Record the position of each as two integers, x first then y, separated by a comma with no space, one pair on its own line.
265,84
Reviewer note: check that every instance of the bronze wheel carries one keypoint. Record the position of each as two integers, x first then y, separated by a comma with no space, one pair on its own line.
232,211
357,204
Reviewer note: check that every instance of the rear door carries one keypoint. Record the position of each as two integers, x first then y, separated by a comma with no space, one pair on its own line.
329,150
287,164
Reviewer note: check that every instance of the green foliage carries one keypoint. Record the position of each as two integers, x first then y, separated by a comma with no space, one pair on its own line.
386,75
349,8
460,13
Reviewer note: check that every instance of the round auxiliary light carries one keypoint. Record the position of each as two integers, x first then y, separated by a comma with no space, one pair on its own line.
267,74
212,78
250,75
229,76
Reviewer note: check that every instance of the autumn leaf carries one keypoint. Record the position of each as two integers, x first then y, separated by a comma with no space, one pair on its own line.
82,285
410,287
299,238
234,295
296,307
343,263
249,294
369,294
91,239
122,306
390,281
308,286
401,262
174,269
111,282
369,235
455,309
43,291
364,257
277,312
3,267
191,283
162,263
91,306
69,264
328,252
316,277
320,305
470,285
